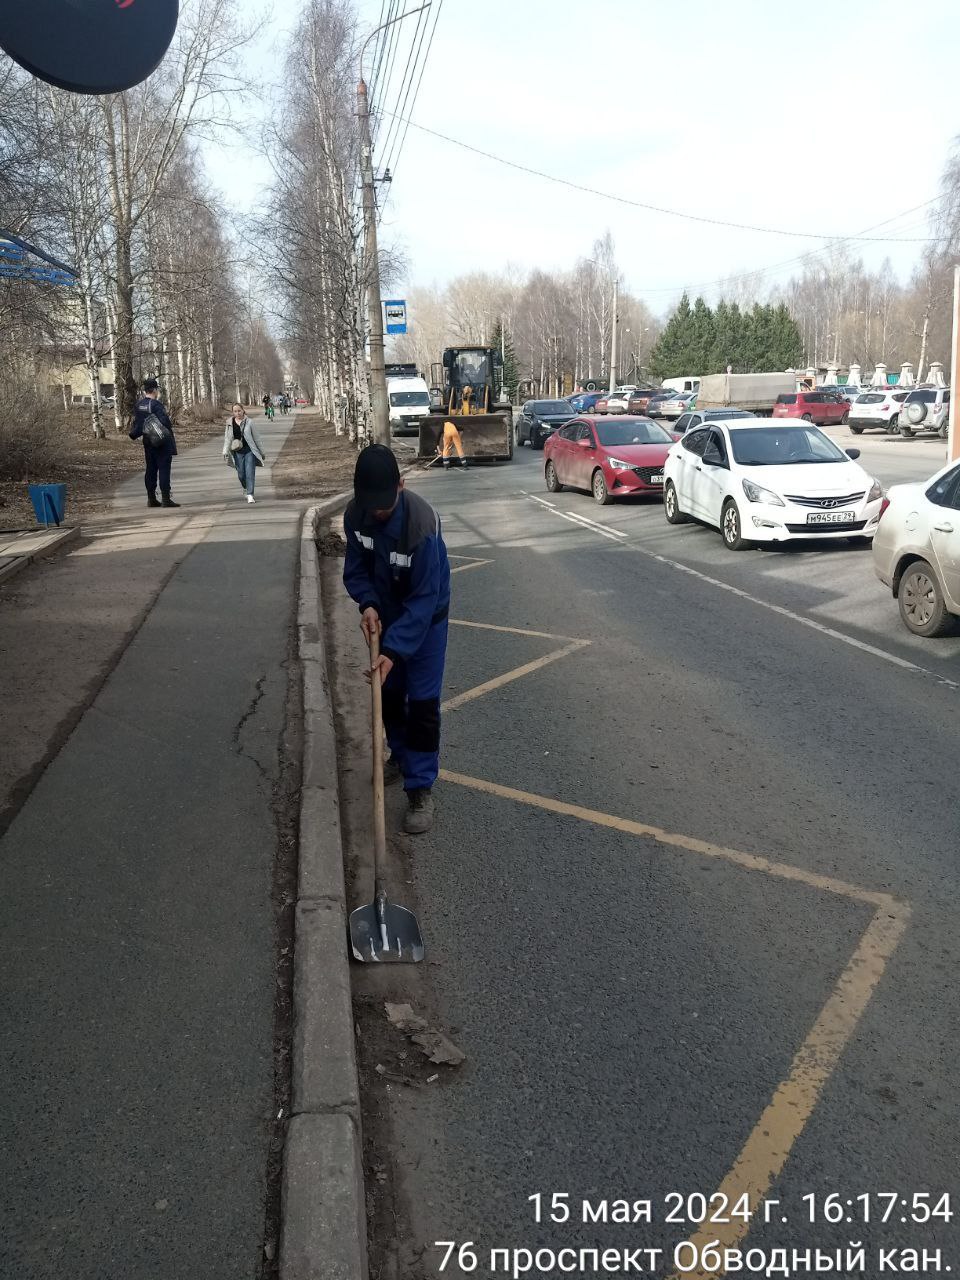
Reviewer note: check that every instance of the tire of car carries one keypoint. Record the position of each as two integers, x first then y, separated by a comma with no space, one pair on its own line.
893,426
730,527
856,431
516,435
916,413
601,494
845,418
906,431
921,602
536,438
805,417
550,477
671,505
944,430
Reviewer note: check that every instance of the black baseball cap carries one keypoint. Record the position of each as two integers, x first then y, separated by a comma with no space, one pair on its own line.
151,384
376,478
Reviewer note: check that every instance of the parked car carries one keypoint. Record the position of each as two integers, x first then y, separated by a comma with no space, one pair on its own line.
539,419
585,401
821,407
879,408
655,401
769,484
926,409
687,421
639,399
916,551
847,391
617,403
676,405
609,457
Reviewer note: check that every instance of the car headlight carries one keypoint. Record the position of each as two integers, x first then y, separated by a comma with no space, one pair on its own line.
876,492
618,464
757,493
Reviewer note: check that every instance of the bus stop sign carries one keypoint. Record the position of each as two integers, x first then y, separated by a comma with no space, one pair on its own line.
88,46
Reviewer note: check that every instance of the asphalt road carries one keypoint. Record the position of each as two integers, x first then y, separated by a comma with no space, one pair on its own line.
690,903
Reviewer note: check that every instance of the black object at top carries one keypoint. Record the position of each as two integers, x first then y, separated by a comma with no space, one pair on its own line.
376,478
151,384
88,46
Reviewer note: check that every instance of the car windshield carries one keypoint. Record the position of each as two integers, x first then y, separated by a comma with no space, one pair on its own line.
636,432
793,446
553,406
419,398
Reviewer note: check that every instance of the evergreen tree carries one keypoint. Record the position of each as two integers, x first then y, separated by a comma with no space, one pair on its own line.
671,350
718,357
787,340
737,322
702,329
511,366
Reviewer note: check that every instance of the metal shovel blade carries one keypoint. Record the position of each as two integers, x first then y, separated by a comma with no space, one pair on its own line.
383,931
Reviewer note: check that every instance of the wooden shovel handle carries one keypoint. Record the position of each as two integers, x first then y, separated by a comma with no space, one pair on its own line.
376,707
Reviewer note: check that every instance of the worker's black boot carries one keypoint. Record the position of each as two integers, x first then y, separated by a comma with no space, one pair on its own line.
168,501
152,500
420,810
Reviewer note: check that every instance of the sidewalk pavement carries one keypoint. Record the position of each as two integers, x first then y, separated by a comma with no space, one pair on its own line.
137,938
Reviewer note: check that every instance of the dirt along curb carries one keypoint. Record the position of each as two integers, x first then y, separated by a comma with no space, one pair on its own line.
324,1231
23,546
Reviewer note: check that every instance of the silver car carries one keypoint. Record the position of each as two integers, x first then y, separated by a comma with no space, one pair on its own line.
926,409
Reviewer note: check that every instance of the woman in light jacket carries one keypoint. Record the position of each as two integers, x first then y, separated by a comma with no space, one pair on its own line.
242,449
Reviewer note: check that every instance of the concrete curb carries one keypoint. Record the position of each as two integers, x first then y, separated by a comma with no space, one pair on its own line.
324,1228
17,563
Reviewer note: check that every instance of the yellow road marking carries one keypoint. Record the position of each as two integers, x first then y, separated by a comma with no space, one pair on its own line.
497,682
771,1141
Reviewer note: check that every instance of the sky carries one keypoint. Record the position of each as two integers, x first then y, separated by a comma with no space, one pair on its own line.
826,118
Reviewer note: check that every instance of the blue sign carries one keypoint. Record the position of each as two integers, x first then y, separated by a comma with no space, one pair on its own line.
395,315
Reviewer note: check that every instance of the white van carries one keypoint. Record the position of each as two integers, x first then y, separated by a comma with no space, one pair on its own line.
409,401
681,384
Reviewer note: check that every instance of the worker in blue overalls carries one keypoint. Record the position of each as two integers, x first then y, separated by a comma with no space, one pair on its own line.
397,571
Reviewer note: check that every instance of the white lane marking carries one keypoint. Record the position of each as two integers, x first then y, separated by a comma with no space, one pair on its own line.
852,641
604,530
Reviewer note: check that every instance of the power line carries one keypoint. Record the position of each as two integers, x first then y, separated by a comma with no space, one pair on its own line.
653,208
406,81
416,95
803,257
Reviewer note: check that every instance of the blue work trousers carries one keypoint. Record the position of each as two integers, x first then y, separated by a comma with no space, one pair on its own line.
411,709
246,464
157,467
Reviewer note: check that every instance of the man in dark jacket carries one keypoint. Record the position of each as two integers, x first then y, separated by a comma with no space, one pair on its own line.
397,571
157,457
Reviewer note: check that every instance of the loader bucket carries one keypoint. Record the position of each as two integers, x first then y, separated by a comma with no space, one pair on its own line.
485,436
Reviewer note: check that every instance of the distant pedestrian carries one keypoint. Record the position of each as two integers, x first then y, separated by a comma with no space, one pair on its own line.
152,424
243,450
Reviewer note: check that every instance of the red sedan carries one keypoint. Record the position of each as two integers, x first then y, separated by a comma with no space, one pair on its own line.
610,457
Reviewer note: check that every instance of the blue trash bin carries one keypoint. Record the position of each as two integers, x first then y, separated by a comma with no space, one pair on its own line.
49,502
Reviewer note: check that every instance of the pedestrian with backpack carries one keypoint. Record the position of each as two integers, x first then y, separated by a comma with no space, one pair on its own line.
242,449
152,424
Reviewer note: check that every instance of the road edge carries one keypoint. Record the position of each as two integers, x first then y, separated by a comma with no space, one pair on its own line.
17,564
323,1209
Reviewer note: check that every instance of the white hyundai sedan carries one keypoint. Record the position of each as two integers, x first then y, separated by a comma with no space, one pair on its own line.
917,551
769,483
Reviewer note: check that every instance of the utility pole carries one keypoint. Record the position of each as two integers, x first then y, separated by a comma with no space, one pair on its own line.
613,337
378,378
953,438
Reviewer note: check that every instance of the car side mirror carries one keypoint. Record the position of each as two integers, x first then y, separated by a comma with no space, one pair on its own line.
853,454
